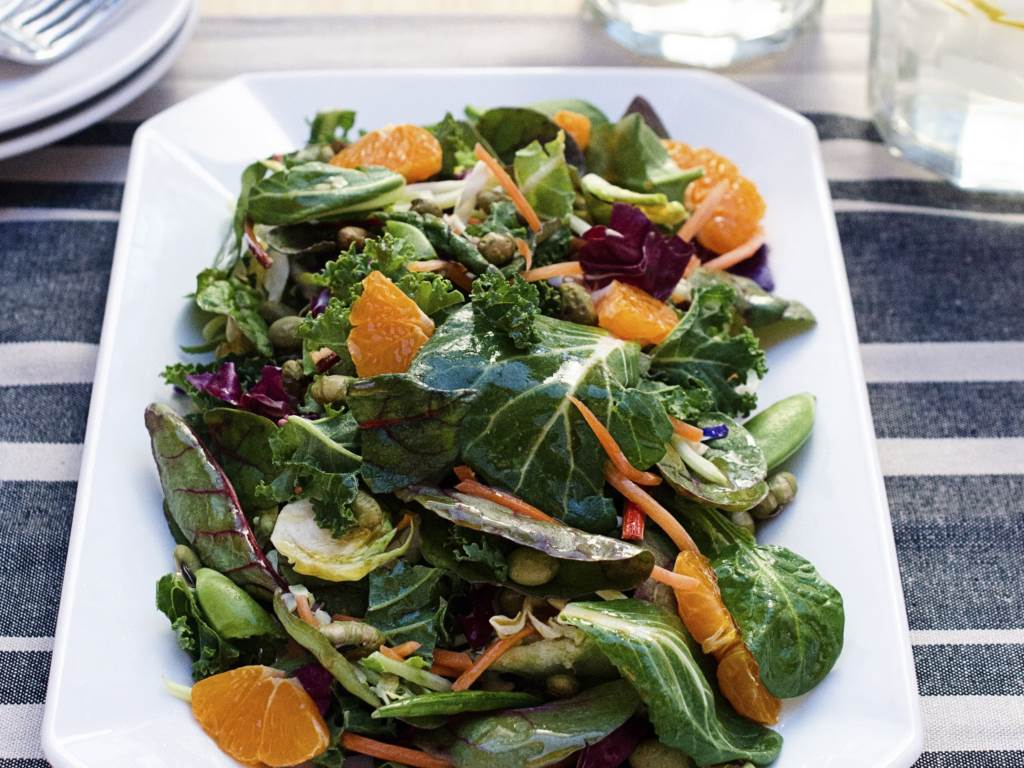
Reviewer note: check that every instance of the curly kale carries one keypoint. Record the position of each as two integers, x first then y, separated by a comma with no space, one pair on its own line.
511,305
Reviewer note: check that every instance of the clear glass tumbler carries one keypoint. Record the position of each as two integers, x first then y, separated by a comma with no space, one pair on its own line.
947,87
704,33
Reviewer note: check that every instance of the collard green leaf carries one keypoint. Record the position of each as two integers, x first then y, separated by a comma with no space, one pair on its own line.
319,191
649,647
204,506
331,125
738,457
543,177
543,735
226,295
455,703
703,350
409,430
240,440
407,603
522,433
587,562
210,652
508,129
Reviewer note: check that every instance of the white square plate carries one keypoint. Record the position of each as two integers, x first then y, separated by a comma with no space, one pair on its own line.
107,705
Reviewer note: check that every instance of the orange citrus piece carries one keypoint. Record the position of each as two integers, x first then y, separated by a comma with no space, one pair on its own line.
703,612
388,328
575,124
739,679
406,149
738,215
632,314
257,715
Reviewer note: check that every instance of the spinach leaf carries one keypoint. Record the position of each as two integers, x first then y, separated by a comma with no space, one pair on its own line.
455,703
226,295
771,317
703,350
645,109
409,430
541,659
629,154
319,191
457,138
407,603
331,125
543,735
251,176
585,108
508,129
301,239
240,440
587,562
210,652
543,177
651,650
509,304
738,457
791,619
522,433
203,505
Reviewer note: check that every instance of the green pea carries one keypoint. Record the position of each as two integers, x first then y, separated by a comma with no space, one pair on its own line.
531,567
783,427
230,609
653,754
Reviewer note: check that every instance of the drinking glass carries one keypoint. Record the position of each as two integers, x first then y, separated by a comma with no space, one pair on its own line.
947,87
704,33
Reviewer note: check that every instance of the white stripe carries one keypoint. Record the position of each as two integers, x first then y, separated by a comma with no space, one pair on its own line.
21,726
964,456
967,636
44,462
56,214
944,361
868,206
46,362
859,160
973,723
26,644
68,164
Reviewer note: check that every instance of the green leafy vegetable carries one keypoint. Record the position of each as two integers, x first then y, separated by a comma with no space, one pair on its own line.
411,670
433,293
457,139
252,175
655,205
301,239
649,647
329,329
407,603
472,555
455,703
543,735
704,350
543,658
543,177
508,129
210,652
240,440
685,403
331,125
501,218
585,108
509,304
226,295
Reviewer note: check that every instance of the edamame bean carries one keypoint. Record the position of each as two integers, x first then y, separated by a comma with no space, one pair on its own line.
577,305
284,333
424,207
744,520
186,559
783,427
562,686
367,511
352,236
781,491
499,249
230,609
653,754
330,389
531,567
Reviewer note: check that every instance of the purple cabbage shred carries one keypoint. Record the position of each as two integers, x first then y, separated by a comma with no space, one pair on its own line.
716,432
613,750
222,384
267,397
318,303
756,268
476,624
317,682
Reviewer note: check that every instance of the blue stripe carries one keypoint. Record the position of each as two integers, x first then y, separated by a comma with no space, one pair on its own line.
968,760
23,677
18,762
115,133
970,670
53,279
92,196
44,413
963,409
833,126
960,543
35,520
916,277
931,194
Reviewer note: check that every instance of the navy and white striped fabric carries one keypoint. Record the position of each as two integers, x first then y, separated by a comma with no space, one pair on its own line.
937,277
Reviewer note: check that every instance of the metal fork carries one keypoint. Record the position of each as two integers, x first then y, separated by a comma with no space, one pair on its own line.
42,31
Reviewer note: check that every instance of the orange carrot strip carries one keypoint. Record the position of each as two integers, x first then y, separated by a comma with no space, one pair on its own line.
615,454
687,431
562,269
459,275
506,499
302,608
427,265
704,211
691,265
518,199
343,617
737,254
675,580
453,659
445,671
464,472
406,649
495,651
355,743
654,511
390,653
404,523
524,251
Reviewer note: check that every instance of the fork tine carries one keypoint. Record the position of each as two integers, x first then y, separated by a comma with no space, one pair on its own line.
55,16
51,27
33,12
11,7
68,36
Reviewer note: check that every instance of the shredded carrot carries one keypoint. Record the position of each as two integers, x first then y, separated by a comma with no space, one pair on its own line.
495,651
464,472
305,613
615,454
562,269
427,265
704,211
691,265
343,617
413,757
453,659
737,254
675,580
687,431
518,198
390,653
404,523
459,275
445,671
657,513
524,251
406,649
506,499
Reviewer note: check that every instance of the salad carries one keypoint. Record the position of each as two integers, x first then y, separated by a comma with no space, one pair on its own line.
467,474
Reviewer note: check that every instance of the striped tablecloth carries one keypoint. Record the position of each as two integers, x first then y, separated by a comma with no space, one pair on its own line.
937,277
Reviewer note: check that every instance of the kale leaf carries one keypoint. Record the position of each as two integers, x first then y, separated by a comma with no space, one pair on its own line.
331,125
509,304
407,603
210,652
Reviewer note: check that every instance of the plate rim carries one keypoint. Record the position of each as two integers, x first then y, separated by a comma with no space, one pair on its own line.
912,744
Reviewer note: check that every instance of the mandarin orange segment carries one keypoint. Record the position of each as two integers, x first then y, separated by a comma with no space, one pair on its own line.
406,149
703,612
575,124
738,215
257,715
739,679
632,314
388,328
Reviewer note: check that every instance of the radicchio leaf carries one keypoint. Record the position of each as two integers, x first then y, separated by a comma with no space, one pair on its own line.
632,250
318,303
755,268
267,397
613,749
317,682
222,384
476,624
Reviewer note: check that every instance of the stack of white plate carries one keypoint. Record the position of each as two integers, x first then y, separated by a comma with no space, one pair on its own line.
39,105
